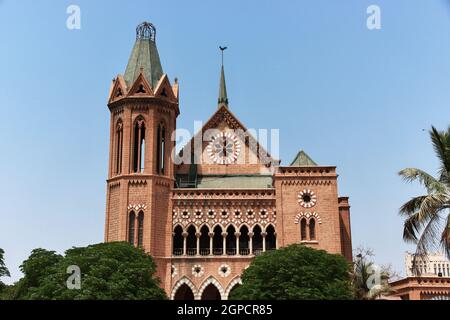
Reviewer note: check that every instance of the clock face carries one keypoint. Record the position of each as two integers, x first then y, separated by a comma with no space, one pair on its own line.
224,148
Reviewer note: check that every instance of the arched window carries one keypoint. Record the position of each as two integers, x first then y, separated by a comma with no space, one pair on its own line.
119,142
204,241
131,224
178,241
312,229
191,241
244,240
139,146
140,229
304,236
218,241
161,149
271,241
231,241
257,240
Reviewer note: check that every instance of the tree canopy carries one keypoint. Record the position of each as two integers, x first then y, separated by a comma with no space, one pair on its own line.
296,273
3,269
109,271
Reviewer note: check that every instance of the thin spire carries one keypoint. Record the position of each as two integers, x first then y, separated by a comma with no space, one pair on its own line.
223,97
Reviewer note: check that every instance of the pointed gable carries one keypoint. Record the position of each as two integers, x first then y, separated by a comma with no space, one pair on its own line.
303,160
223,117
118,89
164,89
141,87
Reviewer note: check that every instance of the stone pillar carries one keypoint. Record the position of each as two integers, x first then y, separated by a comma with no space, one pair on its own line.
211,238
185,235
264,234
237,235
250,243
198,235
224,235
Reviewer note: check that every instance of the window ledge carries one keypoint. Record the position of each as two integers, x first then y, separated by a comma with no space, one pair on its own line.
309,242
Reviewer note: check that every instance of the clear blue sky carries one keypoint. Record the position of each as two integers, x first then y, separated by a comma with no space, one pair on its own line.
350,97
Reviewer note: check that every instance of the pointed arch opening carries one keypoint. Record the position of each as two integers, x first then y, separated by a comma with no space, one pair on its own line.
211,293
178,241
312,229
140,229
218,241
257,240
244,241
231,241
204,241
303,234
184,292
161,149
131,227
191,241
119,146
139,146
271,241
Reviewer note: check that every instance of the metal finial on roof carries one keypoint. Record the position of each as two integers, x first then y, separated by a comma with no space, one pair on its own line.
146,31
223,97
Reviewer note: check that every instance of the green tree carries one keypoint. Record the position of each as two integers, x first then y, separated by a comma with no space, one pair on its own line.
427,217
296,273
3,269
109,271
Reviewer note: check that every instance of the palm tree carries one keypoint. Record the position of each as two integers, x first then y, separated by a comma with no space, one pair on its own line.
427,217
370,282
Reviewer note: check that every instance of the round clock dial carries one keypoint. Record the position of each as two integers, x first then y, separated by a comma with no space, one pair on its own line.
224,148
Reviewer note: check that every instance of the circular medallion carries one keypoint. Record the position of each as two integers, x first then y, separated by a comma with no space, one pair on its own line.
307,198
224,148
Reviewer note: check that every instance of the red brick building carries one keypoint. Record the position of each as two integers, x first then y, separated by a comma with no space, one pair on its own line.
206,212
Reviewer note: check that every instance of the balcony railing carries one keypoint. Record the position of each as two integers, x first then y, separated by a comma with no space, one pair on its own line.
191,252
257,252
178,251
218,252
244,251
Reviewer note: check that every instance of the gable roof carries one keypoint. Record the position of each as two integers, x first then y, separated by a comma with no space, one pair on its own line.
302,159
223,114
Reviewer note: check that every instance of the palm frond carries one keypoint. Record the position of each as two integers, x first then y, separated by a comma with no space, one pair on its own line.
441,145
430,183
411,207
427,209
445,238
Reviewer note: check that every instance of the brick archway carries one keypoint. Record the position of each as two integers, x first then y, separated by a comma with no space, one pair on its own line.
208,282
235,282
181,282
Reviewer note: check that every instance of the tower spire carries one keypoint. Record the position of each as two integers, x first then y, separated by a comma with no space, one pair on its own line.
223,97
144,58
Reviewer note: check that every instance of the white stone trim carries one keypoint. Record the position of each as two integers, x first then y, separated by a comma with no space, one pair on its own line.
232,284
210,280
308,215
179,284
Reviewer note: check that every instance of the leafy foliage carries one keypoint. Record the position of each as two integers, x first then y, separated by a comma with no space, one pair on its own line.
296,273
427,217
3,269
109,271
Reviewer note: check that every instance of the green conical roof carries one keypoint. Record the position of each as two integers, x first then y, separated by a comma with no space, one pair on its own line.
302,159
223,97
144,56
